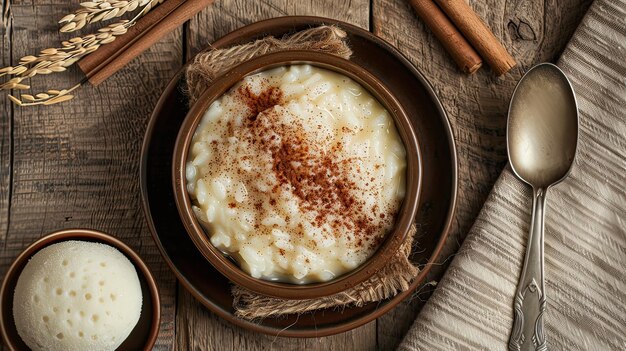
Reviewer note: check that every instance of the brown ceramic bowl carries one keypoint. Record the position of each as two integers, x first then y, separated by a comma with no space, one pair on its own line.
142,337
405,216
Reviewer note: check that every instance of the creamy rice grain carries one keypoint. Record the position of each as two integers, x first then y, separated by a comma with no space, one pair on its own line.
297,173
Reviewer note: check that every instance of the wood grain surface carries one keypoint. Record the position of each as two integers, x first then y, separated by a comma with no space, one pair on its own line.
76,164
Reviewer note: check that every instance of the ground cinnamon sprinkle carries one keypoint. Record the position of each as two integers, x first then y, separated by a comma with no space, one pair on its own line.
315,176
258,103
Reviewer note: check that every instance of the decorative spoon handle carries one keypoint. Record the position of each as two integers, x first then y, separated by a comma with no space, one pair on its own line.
530,299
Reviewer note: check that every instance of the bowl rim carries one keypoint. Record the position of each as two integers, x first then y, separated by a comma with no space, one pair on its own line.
81,234
404,218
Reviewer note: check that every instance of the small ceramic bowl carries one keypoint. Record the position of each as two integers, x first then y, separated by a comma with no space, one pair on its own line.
227,266
142,337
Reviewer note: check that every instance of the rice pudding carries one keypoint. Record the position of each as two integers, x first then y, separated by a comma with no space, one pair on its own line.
297,173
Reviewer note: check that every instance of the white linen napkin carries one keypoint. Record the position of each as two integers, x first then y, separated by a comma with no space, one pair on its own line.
585,248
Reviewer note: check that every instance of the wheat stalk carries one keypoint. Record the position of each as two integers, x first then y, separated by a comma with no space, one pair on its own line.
58,59
102,10
48,98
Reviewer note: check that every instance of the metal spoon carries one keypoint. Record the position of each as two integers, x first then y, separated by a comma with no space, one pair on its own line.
542,136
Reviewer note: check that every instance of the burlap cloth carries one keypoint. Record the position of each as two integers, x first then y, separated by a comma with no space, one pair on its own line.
397,275
585,248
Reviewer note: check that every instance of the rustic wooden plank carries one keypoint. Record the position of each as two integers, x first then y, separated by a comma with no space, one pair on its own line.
533,31
197,328
203,330
224,16
76,164
6,117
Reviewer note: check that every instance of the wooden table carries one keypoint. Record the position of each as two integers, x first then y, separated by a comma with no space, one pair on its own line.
77,164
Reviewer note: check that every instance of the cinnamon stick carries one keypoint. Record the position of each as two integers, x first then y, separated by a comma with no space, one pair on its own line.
166,24
107,53
452,40
478,34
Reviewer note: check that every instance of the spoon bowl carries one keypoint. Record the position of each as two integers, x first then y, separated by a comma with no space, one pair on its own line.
542,130
542,138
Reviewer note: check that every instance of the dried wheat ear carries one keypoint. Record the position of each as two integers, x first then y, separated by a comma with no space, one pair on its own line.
53,60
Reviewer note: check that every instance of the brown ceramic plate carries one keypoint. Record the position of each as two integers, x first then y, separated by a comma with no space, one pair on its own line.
437,197
142,337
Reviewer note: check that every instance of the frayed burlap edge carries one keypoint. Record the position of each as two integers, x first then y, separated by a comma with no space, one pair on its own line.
391,279
209,64
387,282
